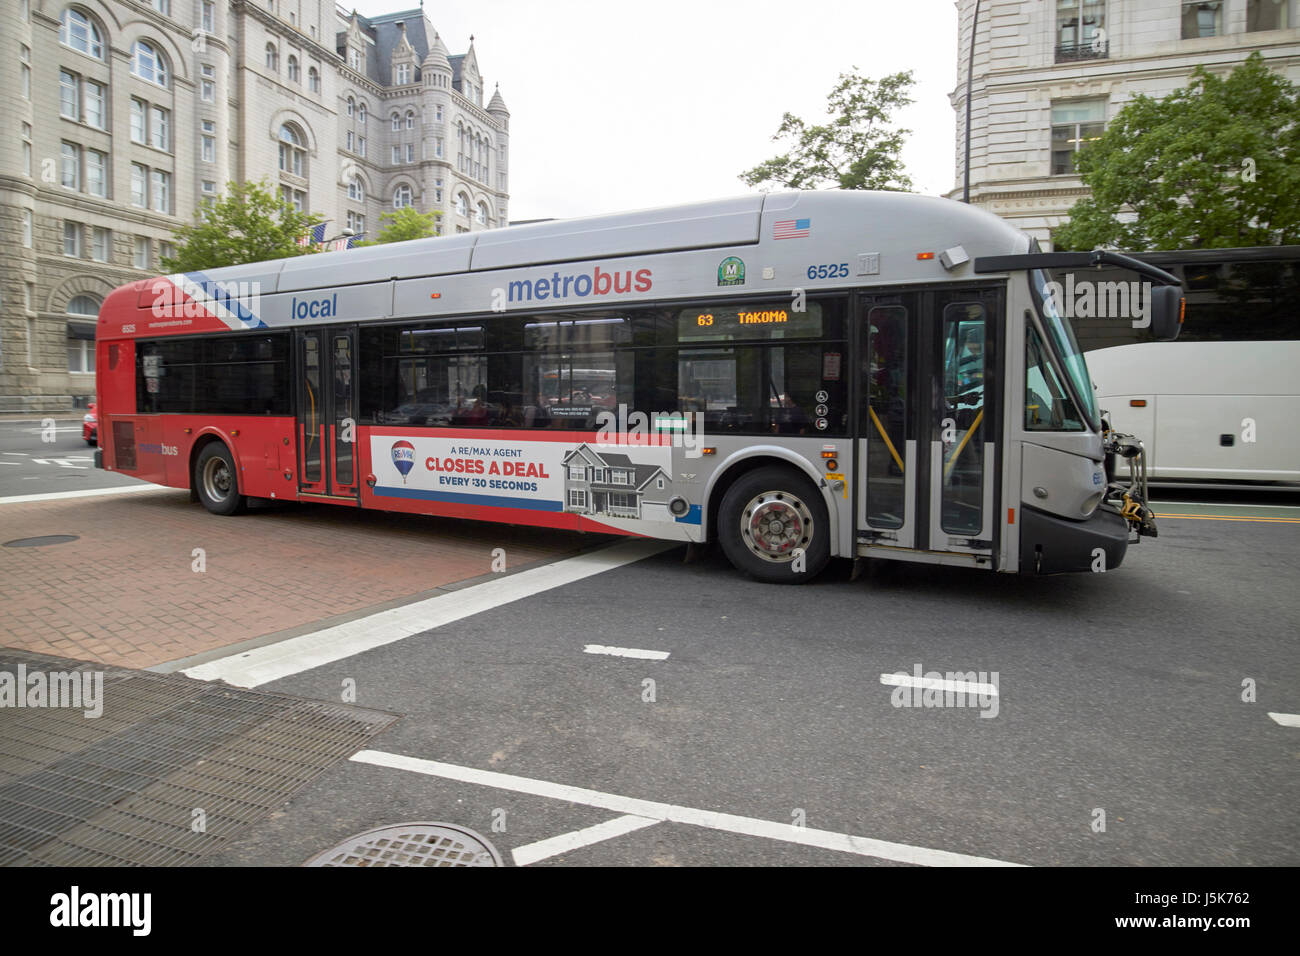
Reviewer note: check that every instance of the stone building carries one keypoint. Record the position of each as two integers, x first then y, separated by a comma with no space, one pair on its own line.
1048,77
121,116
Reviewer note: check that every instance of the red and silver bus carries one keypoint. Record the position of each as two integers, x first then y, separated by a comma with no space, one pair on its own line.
796,376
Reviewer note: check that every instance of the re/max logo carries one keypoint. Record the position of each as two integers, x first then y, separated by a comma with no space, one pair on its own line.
599,282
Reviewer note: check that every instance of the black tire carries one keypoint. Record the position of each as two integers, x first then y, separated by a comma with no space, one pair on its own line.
92,442
792,515
216,481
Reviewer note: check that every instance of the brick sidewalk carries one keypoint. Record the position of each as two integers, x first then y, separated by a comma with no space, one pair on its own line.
125,593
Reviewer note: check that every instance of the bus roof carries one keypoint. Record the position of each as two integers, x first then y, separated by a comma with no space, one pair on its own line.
774,240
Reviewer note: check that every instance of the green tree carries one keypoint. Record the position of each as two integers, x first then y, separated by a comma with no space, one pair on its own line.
405,224
249,223
1213,165
856,149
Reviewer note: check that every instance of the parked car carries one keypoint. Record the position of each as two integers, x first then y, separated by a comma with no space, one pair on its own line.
90,426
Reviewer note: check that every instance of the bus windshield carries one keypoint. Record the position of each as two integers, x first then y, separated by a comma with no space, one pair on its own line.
1061,333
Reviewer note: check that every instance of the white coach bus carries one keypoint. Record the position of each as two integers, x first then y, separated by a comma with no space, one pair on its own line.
796,376
1221,404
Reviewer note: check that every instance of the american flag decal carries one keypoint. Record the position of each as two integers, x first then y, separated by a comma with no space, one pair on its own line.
792,229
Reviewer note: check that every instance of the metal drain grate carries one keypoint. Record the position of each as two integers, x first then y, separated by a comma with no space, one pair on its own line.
412,844
173,770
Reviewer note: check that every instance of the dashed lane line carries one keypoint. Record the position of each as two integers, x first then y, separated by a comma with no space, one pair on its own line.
626,652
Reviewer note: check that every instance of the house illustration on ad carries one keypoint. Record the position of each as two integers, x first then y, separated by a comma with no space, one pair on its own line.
601,483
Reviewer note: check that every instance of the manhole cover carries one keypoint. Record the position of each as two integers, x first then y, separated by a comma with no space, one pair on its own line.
43,540
412,844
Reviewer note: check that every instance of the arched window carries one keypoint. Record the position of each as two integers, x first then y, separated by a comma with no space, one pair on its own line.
313,79
352,106
361,114
272,57
293,157
402,197
356,189
462,205
83,305
410,119
482,216
79,32
397,121
147,63
295,75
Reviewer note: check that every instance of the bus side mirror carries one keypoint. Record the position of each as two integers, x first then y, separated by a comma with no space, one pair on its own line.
1167,304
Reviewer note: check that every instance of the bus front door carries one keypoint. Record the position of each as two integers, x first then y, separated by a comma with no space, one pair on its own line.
927,423
327,413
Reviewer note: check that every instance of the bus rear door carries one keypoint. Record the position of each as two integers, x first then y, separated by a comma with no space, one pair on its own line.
928,420
327,413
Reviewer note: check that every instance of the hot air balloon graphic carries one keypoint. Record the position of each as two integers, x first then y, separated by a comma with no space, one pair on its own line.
403,457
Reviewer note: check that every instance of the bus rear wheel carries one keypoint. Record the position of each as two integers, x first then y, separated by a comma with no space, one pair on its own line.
216,480
772,525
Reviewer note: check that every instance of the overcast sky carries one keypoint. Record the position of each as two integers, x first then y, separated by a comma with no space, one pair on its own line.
621,105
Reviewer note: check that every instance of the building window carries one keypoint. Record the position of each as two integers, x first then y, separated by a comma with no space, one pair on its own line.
295,74
410,152
163,6
313,79
482,215
27,149
25,79
1074,124
100,241
209,17
361,114
70,166
437,112
356,60
207,83
437,147
356,191
397,122
1202,19
1080,30
141,257
72,238
352,106
293,157
462,206
209,189
361,146
272,57
397,154
160,125
402,197
81,334
68,95
410,119
96,111
577,499
27,228
147,63
437,191
403,74
294,197
1266,15
356,222
208,142
138,111
79,32
351,141
97,173
165,251
139,186
162,190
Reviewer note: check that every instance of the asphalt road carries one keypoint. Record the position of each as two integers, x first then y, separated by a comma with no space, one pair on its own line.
767,733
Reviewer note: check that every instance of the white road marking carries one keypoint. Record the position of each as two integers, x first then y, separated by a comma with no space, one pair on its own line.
297,654
23,453
556,845
626,652
87,493
930,683
1287,720
672,813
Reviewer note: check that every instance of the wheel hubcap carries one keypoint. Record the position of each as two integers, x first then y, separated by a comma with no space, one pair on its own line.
217,479
774,524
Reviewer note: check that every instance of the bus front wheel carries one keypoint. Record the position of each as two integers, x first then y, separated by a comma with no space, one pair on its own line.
216,481
772,525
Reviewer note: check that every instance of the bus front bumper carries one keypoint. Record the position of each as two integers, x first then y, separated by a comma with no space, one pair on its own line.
1052,545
